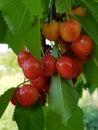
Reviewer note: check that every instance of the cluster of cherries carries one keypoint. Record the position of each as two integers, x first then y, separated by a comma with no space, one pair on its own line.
68,35
39,72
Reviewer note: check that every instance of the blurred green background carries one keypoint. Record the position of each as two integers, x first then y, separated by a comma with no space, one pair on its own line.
11,75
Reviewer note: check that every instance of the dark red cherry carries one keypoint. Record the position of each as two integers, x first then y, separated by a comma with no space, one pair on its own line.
40,82
14,99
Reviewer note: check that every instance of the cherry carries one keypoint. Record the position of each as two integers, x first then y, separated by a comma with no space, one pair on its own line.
14,99
78,65
40,82
49,65
82,46
42,97
46,89
27,95
22,56
51,30
80,11
70,30
65,67
82,58
32,68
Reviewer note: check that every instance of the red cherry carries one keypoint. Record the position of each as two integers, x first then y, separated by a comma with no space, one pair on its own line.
82,46
51,30
78,67
65,67
46,89
42,97
82,58
32,68
27,95
70,30
22,56
14,99
40,82
49,65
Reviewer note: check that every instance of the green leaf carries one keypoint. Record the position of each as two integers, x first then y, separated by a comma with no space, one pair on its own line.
63,6
54,121
55,51
92,6
89,24
45,9
63,98
5,99
15,42
29,118
34,8
3,27
32,36
20,31
76,121
16,16
32,39
91,67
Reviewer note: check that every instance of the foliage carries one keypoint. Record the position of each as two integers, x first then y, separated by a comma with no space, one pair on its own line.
90,120
21,22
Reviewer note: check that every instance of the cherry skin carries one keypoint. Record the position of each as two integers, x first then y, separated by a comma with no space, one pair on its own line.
49,65
82,58
28,95
42,97
14,99
22,56
82,46
80,11
47,89
40,82
65,67
78,65
51,30
70,30
32,68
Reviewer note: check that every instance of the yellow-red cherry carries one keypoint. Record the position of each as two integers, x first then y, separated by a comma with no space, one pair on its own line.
70,30
80,11
51,30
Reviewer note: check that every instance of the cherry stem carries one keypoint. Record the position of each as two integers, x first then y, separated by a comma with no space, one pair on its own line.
25,81
83,78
